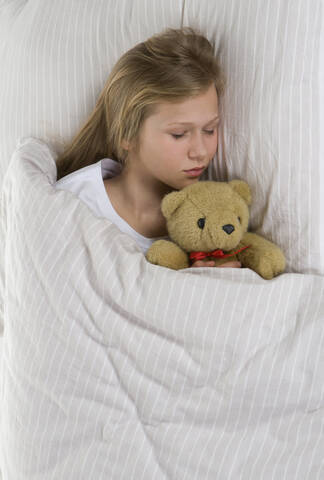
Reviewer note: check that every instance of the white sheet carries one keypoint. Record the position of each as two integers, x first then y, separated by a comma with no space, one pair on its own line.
116,368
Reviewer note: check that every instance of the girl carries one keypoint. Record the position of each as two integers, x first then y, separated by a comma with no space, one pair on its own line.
152,131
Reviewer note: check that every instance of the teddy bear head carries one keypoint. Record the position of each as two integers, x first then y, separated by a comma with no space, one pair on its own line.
208,215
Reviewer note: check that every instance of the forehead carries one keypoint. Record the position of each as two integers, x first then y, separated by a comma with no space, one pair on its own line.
201,108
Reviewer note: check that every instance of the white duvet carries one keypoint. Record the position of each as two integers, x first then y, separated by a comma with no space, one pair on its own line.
114,368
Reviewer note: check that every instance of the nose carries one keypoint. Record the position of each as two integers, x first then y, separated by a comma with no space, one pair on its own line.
228,228
197,146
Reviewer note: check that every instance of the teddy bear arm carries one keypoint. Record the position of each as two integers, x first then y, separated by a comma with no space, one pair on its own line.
167,254
263,256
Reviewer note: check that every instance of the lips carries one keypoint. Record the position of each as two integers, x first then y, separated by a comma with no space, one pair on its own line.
195,171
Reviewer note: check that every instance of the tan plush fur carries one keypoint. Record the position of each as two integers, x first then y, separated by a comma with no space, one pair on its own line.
215,204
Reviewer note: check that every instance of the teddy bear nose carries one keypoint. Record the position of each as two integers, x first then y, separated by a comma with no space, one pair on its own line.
228,228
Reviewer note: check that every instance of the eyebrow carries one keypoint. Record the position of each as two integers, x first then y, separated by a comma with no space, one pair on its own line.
190,123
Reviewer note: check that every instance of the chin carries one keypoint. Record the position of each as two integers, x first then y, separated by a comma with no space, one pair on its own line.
195,179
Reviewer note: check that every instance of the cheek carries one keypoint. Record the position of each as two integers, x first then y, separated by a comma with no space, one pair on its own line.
162,153
212,146
164,144
171,148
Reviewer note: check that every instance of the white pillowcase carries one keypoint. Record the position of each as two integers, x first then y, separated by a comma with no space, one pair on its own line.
272,54
56,56
321,81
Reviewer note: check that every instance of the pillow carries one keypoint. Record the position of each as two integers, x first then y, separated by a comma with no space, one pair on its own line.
321,103
273,118
56,56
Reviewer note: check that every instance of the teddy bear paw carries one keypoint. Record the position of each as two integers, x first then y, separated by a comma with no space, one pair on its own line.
270,266
167,254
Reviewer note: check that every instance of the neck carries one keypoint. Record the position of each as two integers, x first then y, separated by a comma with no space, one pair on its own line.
141,192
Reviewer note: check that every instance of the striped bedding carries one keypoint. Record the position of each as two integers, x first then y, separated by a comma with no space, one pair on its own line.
114,368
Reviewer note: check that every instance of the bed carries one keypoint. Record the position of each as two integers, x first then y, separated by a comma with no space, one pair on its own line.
114,368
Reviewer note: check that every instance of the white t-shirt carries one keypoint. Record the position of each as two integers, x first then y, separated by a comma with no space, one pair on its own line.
87,183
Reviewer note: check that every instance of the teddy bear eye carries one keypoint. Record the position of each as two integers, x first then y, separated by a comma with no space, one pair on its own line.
201,222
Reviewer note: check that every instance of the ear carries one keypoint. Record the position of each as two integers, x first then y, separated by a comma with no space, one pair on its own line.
243,189
130,146
125,145
171,202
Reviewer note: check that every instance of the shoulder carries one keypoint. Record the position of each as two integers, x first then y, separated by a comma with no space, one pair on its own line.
80,175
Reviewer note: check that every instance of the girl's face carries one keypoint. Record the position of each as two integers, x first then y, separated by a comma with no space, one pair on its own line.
177,137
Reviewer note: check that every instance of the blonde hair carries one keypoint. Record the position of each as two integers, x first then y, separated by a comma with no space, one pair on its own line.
167,67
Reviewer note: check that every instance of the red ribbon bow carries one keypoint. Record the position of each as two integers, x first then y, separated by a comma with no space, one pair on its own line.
215,253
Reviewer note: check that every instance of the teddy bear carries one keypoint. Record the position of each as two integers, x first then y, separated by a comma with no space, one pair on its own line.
209,220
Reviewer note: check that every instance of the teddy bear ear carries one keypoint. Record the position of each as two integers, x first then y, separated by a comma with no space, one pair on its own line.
171,202
243,189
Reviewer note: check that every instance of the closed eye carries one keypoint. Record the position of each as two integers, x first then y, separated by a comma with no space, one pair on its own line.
209,132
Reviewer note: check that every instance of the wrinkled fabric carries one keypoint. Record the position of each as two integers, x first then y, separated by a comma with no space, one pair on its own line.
116,368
